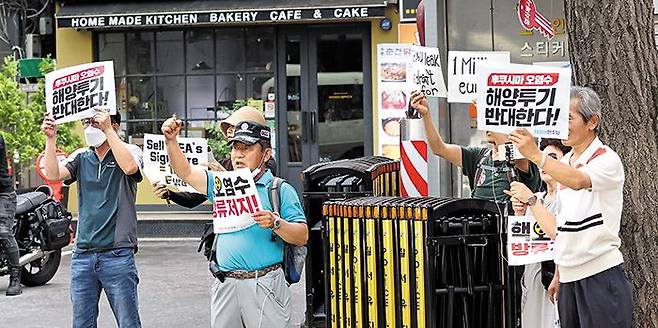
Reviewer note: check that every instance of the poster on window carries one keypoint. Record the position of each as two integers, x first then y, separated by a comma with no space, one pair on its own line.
157,166
462,70
526,241
235,200
72,93
524,96
394,87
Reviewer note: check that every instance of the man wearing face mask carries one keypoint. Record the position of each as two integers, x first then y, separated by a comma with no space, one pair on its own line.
107,173
252,290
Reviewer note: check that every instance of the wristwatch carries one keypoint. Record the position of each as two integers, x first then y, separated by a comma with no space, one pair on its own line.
532,200
277,222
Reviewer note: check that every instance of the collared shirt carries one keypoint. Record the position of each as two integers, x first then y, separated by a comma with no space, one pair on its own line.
107,215
252,248
587,239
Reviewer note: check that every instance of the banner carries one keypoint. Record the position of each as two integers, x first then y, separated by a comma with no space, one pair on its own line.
235,200
462,69
524,96
157,167
526,242
72,93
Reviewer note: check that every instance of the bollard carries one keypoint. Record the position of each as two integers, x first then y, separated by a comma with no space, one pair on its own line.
413,157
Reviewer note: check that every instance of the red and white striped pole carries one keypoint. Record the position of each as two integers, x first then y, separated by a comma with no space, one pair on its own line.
413,158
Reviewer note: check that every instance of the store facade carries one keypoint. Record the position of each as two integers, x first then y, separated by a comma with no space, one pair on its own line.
307,67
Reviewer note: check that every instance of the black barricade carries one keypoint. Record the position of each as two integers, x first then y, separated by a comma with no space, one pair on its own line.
339,180
414,262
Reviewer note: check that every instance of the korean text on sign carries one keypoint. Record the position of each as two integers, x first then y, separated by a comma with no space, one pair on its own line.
72,93
524,96
526,241
235,199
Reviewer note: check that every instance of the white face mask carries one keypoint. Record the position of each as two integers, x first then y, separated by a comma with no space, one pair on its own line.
94,137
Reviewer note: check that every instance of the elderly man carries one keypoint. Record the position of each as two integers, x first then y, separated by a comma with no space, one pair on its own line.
593,288
251,289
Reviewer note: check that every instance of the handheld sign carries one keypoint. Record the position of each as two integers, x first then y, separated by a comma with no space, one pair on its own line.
526,242
462,70
72,93
524,96
427,72
157,167
235,200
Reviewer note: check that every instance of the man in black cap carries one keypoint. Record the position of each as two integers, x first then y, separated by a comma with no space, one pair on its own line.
251,289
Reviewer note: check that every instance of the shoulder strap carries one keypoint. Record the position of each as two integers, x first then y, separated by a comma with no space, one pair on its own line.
478,170
275,198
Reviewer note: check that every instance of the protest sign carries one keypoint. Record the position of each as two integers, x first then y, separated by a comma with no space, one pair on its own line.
427,73
235,199
157,167
526,242
524,96
462,69
72,93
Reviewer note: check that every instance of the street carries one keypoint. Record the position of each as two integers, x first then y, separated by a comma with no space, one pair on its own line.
173,292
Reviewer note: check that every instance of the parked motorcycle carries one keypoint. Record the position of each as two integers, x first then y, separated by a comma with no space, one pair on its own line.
43,228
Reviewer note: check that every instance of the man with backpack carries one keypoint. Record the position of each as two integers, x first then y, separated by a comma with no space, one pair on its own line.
250,288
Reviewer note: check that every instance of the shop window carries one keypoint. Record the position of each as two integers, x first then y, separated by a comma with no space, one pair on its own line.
230,50
260,49
111,46
199,49
169,47
171,96
141,54
141,98
200,95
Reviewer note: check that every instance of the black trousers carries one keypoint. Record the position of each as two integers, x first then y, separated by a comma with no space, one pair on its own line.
7,223
602,300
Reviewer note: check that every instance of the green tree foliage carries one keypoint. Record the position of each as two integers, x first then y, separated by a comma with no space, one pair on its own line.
20,123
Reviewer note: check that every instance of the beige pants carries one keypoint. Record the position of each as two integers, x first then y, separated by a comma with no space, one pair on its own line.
251,303
537,310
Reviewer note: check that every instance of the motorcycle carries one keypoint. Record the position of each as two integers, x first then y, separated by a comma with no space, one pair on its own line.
43,228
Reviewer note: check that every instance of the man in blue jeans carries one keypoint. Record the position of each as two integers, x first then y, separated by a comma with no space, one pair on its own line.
107,173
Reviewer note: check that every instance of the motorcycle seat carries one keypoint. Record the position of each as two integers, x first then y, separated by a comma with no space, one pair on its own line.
29,201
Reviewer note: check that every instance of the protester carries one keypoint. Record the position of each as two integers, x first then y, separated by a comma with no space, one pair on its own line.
593,290
7,222
254,292
227,126
107,173
487,178
536,307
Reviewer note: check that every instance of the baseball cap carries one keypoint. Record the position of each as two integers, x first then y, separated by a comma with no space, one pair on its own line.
249,133
245,113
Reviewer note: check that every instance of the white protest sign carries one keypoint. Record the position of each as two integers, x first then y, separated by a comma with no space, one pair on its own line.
427,73
524,96
157,167
462,69
73,92
526,242
235,199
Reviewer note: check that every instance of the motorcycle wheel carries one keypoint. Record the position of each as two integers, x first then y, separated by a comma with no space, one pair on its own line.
39,272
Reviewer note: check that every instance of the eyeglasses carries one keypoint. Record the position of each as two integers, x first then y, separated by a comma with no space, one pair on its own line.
87,122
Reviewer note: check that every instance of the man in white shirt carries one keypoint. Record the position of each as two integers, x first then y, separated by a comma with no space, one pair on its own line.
593,288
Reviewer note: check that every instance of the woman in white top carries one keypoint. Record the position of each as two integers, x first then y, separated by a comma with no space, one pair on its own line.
536,307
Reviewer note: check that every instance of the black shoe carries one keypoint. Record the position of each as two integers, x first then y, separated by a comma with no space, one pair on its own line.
14,282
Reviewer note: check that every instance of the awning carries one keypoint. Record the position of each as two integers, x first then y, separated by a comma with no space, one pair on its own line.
208,12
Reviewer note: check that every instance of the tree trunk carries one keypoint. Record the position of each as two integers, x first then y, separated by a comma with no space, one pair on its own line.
613,51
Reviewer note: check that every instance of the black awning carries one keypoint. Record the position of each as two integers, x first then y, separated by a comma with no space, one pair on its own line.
213,12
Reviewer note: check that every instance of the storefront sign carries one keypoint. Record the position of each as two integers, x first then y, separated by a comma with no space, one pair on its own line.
235,200
531,19
524,96
73,93
157,166
526,242
220,17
